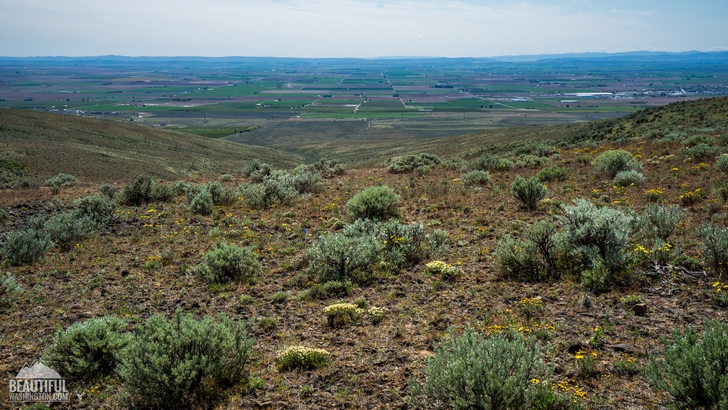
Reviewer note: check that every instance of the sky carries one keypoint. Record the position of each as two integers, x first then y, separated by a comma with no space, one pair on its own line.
357,28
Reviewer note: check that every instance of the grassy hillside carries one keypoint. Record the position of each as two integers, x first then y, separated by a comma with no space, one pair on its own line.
43,144
597,318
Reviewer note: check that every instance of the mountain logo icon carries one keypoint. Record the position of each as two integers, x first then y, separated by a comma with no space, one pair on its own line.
37,371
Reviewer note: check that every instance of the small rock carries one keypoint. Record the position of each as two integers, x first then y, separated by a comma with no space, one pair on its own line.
124,272
639,309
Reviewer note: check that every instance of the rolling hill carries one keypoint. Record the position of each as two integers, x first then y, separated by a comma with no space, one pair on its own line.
38,145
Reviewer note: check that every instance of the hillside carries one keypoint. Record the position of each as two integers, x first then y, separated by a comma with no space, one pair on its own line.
597,326
38,145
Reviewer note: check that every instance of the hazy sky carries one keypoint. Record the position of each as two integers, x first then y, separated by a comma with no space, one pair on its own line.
357,28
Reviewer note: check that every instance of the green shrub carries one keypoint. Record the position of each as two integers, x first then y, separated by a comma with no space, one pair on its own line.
60,181
225,178
306,180
474,371
598,232
377,202
614,161
488,162
340,257
200,202
162,193
257,170
699,139
659,222
531,260
139,192
229,263
279,297
85,351
220,196
302,357
701,152
108,190
528,191
628,178
175,363
554,173
326,290
9,290
536,148
327,169
530,161
68,229
26,247
342,313
714,246
476,177
598,278
721,164
409,163
98,208
405,245
276,189
694,370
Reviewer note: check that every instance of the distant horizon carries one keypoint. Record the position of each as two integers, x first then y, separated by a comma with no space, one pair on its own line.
383,57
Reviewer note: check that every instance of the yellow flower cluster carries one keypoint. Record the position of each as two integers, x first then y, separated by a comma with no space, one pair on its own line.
691,197
294,356
653,194
342,309
437,266
719,287
531,301
565,387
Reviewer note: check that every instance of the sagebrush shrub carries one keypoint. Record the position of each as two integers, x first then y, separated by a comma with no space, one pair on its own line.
178,362
475,371
306,179
714,246
721,164
85,351
162,193
278,188
614,161
628,178
528,191
60,181
67,229
26,247
230,263
108,190
659,222
9,290
377,202
597,232
701,152
340,257
326,290
257,170
694,370
409,163
530,161
553,173
698,139
220,195
200,202
536,148
476,177
489,162
138,192
100,209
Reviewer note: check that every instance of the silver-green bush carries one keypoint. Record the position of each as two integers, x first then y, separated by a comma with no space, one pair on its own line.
138,192
99,208
721,164
377,202
474,371
340,257
9,290
26,247
200,202
69,228
85,351
528,191
694,370
182,362
660,222
714,246
476,177
628,178
230,263
60,181
614,161
598,232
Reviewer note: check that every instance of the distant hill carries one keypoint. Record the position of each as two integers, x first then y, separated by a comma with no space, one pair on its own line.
38,145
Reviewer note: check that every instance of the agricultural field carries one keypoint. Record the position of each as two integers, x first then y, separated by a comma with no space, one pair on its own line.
593,254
